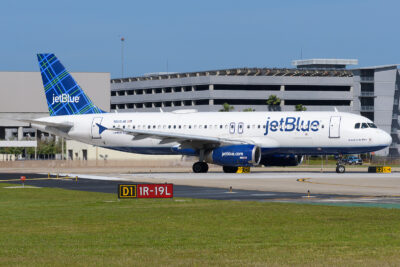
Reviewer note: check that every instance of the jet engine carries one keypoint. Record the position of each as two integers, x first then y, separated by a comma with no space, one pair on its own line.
235,155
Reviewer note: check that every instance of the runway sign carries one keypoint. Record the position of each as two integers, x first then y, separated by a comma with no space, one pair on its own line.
243,170
379,169
146,191
126,191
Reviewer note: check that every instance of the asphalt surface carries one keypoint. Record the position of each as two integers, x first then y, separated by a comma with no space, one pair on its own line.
107,186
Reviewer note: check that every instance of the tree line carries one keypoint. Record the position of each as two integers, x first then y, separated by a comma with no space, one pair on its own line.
273,102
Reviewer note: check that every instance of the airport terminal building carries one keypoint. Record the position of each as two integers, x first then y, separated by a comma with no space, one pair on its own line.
317,84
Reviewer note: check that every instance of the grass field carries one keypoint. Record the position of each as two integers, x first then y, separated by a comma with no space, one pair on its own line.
54,227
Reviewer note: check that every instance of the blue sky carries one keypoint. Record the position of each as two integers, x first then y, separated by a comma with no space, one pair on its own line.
196,35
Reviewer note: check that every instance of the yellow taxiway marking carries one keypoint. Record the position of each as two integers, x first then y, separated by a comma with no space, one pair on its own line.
307,180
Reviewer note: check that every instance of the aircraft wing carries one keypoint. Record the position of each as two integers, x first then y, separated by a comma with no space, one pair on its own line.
193,140
63,126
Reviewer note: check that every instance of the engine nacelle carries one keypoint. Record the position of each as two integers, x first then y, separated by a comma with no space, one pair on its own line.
281,160
235,155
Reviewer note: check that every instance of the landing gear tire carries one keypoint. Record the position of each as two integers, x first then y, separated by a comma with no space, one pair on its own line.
200,167
340,169
229,169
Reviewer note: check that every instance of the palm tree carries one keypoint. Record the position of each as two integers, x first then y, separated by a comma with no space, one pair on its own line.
273,103
226,107
300,107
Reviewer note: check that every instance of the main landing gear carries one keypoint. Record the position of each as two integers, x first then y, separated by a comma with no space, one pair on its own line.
200,167
229,169
340,165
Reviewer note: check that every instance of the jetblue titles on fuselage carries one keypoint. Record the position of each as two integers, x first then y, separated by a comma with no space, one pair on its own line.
290,124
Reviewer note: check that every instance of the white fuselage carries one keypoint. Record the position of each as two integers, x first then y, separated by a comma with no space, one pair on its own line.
273,132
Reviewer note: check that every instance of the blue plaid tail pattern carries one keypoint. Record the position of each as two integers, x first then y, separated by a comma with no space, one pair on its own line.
64,96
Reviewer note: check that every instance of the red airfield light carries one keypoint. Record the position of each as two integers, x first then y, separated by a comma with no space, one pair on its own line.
23,179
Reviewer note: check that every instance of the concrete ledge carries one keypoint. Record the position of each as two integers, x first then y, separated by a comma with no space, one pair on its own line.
18,144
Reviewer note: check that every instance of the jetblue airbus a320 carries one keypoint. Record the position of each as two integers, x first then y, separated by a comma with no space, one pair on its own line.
229,139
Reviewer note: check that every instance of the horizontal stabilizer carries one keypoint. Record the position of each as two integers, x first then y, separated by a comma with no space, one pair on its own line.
64,126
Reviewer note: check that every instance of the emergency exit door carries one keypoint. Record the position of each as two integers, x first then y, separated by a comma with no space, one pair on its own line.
334,127
95,128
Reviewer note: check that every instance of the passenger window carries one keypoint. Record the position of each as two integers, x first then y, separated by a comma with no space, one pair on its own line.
248,126
179,126
190,126
371,125
364,125
357,126
174,126
258,126
220,126
169,126
133,126
148,127
154,126
205,126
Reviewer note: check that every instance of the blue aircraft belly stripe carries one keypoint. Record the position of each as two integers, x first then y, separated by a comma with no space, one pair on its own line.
264,150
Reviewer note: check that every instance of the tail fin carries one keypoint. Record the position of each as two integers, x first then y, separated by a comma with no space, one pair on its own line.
64,96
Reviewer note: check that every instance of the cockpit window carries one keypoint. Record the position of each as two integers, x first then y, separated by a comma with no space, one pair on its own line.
372,125
364,125
357,126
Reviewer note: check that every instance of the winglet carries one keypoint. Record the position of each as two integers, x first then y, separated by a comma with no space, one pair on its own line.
101,128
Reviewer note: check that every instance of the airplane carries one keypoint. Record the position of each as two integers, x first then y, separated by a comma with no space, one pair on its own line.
228,139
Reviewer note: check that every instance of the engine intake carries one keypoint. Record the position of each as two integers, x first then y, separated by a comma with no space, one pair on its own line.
235,155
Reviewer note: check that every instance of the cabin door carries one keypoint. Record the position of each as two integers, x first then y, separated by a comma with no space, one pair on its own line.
232,127
95,128
334,127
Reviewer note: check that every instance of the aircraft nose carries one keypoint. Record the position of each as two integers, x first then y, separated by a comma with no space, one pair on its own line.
386,138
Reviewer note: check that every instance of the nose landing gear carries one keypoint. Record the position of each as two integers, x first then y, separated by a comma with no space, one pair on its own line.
340,168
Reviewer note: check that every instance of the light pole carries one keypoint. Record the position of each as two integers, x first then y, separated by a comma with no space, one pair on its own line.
122,57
